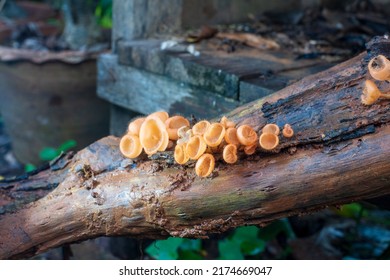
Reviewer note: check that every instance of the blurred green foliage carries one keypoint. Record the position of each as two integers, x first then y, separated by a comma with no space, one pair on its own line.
103,13
50,153
243,243
353,210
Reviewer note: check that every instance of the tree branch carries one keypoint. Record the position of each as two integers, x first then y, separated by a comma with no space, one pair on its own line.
339,154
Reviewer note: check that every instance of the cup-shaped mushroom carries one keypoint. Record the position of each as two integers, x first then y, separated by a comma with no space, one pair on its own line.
162,115
173,124
205,165
200,127
153,135
288,132
246,135
181,132
271,128
165,142
227,123
196,147
180,154
231,136
371,93
214,134
268,141
229,153
379,68
135,126
250,150
130,146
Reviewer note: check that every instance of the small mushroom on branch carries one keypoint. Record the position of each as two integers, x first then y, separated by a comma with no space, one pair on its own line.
153,135
379,68
288,132
180,154
130,146
230,153
135,126
231,136
162,115
268,141
214,134
371,93
205,165
173,124
271,128
250,150
196,147
200,127
246,135
227,123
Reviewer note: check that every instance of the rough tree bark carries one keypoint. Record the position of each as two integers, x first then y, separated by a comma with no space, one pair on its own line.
340,154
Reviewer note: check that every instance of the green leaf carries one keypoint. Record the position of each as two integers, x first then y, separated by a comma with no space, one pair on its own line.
250,243
229,250
253,247
191,244
29,167
272,230
246,233
352,210
189,255
66,146
48,154
165,249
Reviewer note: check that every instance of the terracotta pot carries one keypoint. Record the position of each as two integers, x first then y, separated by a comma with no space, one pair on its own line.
44,104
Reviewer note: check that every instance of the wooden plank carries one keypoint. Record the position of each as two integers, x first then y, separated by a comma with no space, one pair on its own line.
218,71
146,55
145,92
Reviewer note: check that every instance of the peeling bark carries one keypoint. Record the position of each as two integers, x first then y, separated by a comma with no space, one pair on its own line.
340,154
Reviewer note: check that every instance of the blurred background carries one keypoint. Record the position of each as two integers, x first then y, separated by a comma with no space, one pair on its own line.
72,72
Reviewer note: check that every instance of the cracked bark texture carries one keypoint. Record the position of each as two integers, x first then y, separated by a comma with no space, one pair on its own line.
340,153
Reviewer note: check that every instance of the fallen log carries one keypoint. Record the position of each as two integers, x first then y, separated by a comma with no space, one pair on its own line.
340,153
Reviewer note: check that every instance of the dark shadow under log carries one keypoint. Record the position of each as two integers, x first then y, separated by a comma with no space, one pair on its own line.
340,154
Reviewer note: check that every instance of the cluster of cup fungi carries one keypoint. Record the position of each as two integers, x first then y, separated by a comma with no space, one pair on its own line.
159,132
379,69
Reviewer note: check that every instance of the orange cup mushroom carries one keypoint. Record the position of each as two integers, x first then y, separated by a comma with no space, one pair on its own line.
135,126
162,115
205,165
271,128
231,136
288,132
180,154
379,68
130,146
185,134
200,127
153,135
230,153
181,132
268,141
250,150
173,124
371,93
246,135
196,147
227,123
214,134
